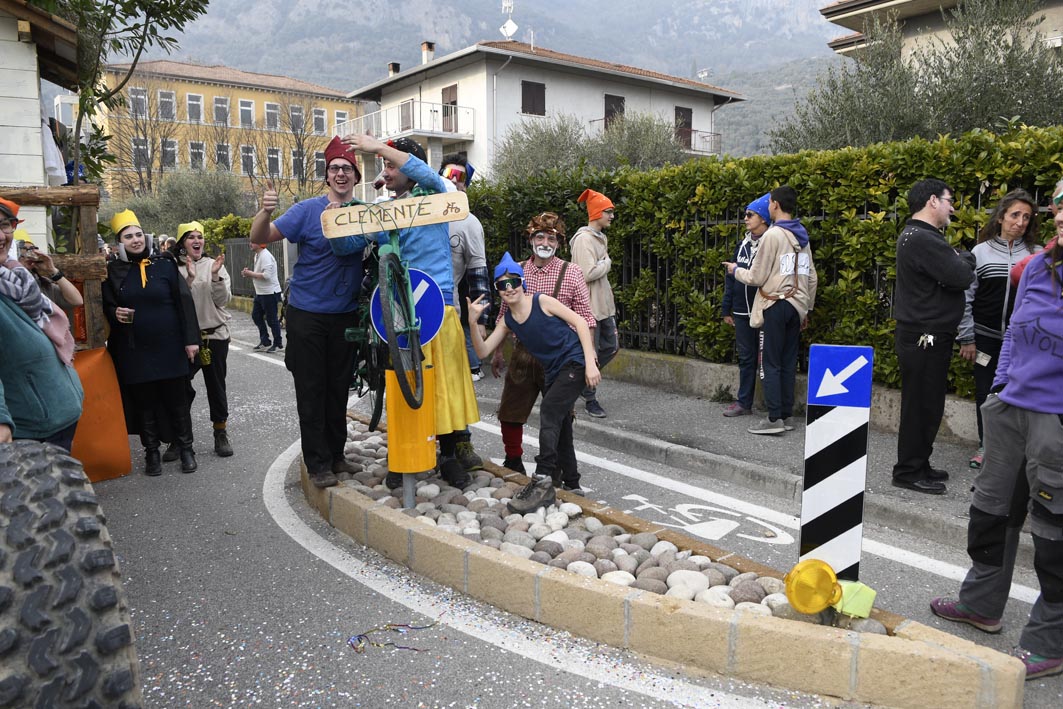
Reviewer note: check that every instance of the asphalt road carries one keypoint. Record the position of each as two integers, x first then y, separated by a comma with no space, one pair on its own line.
241,596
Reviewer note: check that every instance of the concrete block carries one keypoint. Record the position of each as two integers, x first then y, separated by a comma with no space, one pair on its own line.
584,606
388,531
440,556
349,513
827,654
502,580
693,634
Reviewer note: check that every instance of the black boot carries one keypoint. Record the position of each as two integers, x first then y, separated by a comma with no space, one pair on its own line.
152,462
171,454
222,447
188,460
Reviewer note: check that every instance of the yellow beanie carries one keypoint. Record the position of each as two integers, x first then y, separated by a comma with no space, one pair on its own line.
122,220
183,229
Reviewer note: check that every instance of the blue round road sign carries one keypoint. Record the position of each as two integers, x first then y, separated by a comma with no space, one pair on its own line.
428,305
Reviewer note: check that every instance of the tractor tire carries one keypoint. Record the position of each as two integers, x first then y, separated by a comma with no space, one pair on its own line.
66,639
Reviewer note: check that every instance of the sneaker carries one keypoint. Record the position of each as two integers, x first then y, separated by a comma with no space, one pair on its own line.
951,609
454,474
926,485
788,423
393,480
595,409
575,490
173,452
259,348
514,464
275,348
767,426
1038,665
477,374
536,494
325,478
976,459
468,458
736,409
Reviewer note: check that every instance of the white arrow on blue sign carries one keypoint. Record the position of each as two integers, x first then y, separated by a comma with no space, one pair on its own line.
840,375
428,305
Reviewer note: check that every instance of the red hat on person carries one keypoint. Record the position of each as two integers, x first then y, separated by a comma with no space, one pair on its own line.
10,210
596,203
336,149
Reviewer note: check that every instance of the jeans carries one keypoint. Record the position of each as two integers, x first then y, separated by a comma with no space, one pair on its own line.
779,339
264,312
746,342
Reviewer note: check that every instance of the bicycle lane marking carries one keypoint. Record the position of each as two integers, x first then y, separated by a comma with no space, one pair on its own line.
582,663
880,549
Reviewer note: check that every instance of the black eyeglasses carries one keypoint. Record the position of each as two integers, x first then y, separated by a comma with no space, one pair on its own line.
336,169
950,200
504,284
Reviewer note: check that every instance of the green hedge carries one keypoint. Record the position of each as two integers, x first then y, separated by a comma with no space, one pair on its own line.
853,202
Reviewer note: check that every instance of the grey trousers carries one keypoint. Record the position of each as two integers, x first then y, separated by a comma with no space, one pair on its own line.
1018,442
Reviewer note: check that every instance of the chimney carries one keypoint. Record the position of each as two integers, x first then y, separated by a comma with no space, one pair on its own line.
428,51
393,68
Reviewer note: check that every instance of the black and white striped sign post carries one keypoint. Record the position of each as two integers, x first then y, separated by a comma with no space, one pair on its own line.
839,415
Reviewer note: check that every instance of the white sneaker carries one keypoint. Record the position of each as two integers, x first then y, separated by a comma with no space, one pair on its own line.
477,374
769,427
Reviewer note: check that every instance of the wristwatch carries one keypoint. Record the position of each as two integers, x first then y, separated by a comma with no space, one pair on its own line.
57,276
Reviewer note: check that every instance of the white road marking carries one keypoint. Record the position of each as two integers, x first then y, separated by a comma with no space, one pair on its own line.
533,647
900,556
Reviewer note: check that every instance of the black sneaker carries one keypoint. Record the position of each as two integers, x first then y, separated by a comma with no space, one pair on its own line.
275,348
536,494
595,409
927,486
514,464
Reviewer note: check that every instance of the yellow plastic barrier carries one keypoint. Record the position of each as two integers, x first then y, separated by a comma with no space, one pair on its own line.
411,432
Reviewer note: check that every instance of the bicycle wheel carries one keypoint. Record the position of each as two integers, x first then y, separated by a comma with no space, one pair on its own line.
398,311
375,361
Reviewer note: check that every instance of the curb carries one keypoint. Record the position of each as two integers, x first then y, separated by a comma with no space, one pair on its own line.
774,481
915,666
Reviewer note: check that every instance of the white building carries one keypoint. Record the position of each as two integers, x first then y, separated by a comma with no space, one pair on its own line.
466,101
33,45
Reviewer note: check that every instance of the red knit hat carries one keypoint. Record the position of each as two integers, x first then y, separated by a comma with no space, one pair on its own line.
336,149
596,203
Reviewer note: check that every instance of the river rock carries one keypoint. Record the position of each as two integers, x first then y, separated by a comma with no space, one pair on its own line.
426,520
649,564
430,491
599,551
479,505
623,538
391,502
682,565
604,566
725,590
592,524
467,516
641,555
434,514
740,578
694,580
612,530
620,578
651,585
588,557
681,591
715,598
607,542
452,528
556,520
541,557
627,563
501,493
754,608
747,592
520,538
573,544
772,585
663,546
581,534
714,576
539,531
493,522
491,533
785,610
729,572
583,569
701,561
493,543
454,509
570,509
653,572
774,600
559,536
569,555
558,564
646,540
548,547
516,550
868,625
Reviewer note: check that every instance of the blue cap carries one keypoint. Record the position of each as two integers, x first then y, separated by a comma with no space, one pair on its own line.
760,206
508,265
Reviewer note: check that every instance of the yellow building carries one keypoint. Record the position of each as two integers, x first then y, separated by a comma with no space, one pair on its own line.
180,116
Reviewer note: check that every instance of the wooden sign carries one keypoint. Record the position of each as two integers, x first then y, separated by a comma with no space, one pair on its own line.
395,214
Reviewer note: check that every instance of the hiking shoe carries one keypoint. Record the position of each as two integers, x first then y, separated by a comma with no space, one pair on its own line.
768,427
514,464
536,494
275,348
222,447
595,409
788,423
326,478
735,409
393,480
467,456
976,459
259,348
172,453
928,486
454,474
477,374
1038,665
951,609
343,465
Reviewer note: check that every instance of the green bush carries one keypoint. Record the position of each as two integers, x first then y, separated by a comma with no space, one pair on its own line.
685,220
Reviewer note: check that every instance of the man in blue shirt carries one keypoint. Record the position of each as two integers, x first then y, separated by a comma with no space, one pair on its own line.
322,304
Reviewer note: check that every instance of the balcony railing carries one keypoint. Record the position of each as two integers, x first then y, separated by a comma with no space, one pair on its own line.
414,118
695,142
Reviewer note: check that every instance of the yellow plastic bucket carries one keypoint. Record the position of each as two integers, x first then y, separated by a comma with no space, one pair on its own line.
411,432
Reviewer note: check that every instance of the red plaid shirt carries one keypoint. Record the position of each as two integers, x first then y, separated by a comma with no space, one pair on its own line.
573,293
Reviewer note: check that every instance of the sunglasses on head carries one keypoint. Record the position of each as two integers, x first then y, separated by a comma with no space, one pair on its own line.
504,284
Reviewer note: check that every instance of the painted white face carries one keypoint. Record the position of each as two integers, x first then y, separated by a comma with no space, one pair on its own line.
544,244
